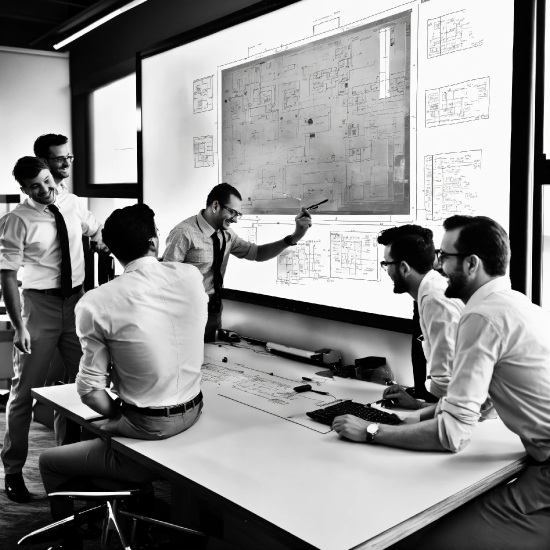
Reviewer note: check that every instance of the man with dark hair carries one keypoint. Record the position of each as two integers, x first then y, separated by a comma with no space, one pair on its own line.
43,234
409,256
206,240
502,352
142,331
53,149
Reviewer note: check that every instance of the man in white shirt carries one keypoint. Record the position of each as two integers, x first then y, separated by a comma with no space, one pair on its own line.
502,352
206,240
409,256
44,235
142,331
54,150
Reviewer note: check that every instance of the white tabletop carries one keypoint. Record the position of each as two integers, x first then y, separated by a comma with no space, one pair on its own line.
329,492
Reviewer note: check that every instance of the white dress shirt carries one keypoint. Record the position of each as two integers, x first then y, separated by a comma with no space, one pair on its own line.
29,238
502,350
144,331
191,242
62,187
439,317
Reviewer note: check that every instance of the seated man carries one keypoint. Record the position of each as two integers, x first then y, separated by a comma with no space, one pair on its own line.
503,352
144,332
409,256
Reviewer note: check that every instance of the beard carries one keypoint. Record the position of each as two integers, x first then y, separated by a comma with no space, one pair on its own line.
457,283
399,286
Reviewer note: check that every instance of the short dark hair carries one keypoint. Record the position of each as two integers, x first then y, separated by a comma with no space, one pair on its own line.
44,142
127,231
410,243
483,237
221,193
27,168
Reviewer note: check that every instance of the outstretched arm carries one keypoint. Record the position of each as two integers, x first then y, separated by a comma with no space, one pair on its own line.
271,250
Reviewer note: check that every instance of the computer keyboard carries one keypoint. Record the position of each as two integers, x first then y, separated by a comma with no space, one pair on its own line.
327,414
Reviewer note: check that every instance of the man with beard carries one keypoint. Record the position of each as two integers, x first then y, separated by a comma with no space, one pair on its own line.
54,151
206,240
502,351
409,256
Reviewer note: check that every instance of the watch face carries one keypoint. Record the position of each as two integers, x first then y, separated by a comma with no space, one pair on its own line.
372,429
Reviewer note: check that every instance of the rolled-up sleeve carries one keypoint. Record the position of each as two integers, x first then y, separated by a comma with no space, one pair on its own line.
12,239
95,364
441,318
477,349
241,248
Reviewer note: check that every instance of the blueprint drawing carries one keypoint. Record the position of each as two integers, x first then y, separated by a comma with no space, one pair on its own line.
451,181
450,33
327,120
202,95
458,103
203,151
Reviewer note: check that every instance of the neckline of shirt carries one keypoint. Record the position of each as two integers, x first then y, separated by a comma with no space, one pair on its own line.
139,263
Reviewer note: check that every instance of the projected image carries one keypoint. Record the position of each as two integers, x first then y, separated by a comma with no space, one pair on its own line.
329,120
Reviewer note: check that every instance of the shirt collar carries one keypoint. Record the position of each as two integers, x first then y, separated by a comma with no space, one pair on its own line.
41,207
494,285
139,263
423,287
204,225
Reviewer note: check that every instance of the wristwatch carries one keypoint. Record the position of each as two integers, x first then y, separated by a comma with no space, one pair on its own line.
288,240
372,430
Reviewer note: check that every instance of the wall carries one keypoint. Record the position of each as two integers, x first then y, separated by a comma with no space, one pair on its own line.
108,53
35,99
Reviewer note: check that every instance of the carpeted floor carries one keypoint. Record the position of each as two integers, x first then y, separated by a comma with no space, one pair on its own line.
17,520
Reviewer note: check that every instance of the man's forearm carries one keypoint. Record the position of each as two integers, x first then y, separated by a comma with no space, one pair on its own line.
422,436
100,401
10,292
270,250
427,410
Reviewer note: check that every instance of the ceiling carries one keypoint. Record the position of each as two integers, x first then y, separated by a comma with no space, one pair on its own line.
39,24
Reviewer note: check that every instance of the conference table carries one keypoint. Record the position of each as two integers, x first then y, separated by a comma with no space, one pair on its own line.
276,479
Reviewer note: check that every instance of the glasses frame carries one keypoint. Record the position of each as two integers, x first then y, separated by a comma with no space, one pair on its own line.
234,213
384,265
60,160
442,255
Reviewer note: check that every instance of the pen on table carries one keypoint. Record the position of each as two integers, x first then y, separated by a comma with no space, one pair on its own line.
306,379
313,206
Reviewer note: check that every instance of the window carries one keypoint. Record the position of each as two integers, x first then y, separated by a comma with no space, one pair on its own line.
114,135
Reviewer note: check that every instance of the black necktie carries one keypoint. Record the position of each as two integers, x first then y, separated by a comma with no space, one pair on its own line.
66,269
217,269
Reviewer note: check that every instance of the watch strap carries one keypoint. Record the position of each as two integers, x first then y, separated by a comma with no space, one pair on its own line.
288,240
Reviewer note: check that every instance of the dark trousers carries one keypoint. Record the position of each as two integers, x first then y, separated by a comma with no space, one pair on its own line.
511,516
51,324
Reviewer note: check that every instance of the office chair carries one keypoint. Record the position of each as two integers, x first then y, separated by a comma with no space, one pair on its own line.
109,493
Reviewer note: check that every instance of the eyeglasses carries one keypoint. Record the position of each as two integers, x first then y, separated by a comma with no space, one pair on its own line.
442,256
384,265
234,213
61,160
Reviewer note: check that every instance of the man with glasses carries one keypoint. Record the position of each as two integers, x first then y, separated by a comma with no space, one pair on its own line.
502,352
53,149
206,240
408,259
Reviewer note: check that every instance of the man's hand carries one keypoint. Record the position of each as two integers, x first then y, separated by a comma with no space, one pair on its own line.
101,247
22,340
303,223
401,398
351,427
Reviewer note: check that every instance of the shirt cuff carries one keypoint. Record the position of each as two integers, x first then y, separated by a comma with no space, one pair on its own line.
87,384
252,252
12,263
455,425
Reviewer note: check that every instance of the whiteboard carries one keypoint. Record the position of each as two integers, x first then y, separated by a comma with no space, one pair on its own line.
395,112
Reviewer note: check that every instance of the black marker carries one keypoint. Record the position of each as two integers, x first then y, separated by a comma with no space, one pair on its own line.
314,206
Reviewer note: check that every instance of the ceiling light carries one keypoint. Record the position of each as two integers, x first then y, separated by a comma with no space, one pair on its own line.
98,23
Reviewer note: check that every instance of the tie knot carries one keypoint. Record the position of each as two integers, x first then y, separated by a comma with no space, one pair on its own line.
53,208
